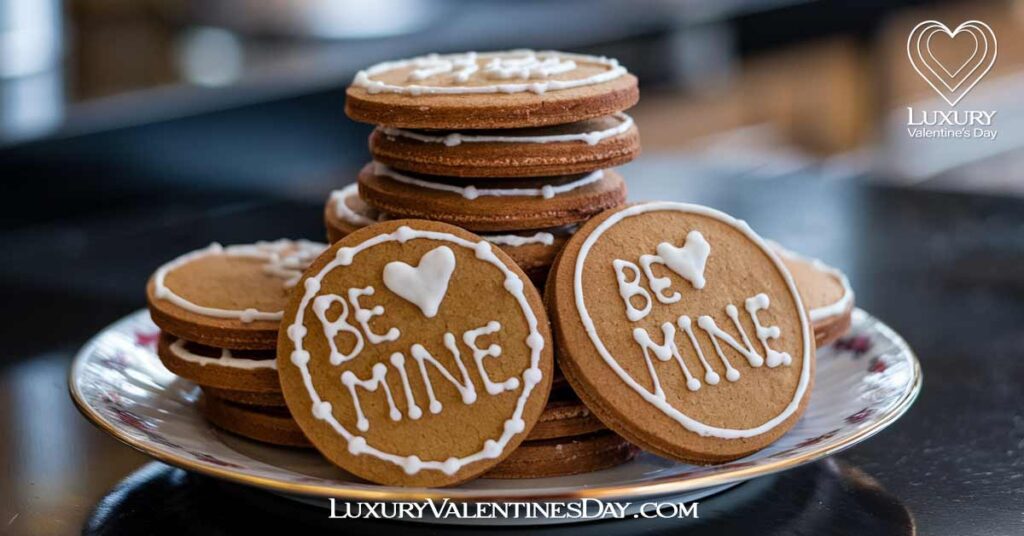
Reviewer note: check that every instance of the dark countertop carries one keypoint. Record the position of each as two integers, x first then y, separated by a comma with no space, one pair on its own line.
944,270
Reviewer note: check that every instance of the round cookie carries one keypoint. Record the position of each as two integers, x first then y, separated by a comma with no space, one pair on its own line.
579,147
565,456
229,296
345,212
533,250
491,90
238,370
826,292
267,424
565,416
681,330
415,354
492,204
247,398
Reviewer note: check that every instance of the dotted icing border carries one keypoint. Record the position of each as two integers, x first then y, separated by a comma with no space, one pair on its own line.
357,445
685,421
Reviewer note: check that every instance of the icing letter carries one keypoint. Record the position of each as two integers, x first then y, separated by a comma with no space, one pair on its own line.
331,328
363,316
658,284
479,354
631,288
377,379
466,388
772,357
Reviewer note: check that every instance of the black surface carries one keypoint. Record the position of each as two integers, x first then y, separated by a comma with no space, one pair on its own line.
945,270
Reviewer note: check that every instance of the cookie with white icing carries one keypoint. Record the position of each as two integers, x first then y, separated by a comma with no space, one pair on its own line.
565,456
491,205
229,296
490,90
578,147
239,370
415,353
680,328
533,250
826,293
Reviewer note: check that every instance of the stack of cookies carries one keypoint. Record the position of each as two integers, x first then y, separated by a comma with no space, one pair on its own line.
516,146
219,309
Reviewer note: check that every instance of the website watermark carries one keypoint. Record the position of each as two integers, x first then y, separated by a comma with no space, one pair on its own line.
952,79
583,509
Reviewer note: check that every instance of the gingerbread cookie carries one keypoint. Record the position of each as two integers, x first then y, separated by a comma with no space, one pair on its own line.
415,353
346,211
579,147
826,293
565,456
492,90
272,425
229,297
564,416
238,370
247,398
533,250
491,204
680,328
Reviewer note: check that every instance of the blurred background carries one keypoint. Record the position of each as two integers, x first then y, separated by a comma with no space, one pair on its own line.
124,101
131,130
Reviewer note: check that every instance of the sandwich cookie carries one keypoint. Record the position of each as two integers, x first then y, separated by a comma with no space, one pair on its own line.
579,147
415,353
826,293
251,371
564,416
272,425
247,398
229,296
682,331
491,205
533,250
490,90
565,456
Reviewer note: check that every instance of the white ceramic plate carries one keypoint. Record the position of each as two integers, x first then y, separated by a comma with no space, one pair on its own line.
863,383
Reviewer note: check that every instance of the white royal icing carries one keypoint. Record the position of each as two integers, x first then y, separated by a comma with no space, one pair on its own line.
512,240
345,212
668,350
836,308
285,259
357,445
546,191
425,284
518,71
457,138
180,351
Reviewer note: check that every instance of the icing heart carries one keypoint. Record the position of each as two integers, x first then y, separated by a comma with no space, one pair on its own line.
426,284
689,260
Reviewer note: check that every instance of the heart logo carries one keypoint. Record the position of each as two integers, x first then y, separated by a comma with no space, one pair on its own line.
688,261
426,284
952,85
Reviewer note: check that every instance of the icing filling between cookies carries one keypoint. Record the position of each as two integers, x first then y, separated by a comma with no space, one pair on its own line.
690,265
834,309
285,259
180,351
534,69
546,191
357,445
457,138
